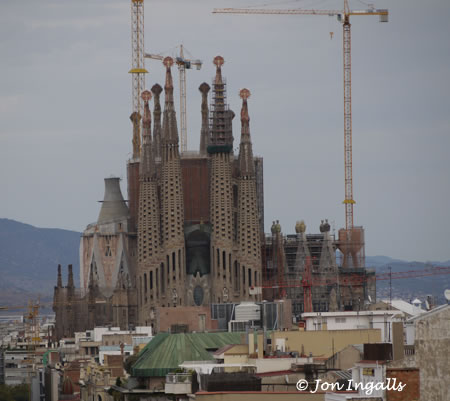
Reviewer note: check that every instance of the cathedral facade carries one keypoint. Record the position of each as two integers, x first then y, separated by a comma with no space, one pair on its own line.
198,221
190,233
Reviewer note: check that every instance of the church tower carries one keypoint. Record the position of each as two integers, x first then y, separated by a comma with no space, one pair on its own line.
248,235
204,90
172,268
156,90
149,220
220,148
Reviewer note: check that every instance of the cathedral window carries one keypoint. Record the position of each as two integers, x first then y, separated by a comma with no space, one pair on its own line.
108,251
157,279
162,279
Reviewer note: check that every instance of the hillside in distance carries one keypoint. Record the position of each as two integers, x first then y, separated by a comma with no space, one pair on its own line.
409,288
29,257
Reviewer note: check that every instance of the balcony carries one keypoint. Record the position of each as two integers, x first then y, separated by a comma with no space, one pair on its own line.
178,383
409,350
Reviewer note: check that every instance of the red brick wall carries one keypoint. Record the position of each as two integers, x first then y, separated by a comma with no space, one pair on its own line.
195,190
74,373
188,315
114,361
410,377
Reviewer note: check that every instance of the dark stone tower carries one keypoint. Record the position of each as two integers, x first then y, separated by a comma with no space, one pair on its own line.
220,147
248,235
204,133
172,268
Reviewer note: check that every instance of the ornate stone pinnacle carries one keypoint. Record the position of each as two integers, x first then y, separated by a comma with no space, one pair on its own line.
244,94
204,88
157,89
168,62
218,61
146,96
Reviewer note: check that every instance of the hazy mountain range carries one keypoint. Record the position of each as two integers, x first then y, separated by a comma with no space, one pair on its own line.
29,257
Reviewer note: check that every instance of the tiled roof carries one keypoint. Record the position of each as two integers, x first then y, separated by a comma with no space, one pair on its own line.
166,351
223,349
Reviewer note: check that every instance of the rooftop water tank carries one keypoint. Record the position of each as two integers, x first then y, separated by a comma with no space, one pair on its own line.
248,311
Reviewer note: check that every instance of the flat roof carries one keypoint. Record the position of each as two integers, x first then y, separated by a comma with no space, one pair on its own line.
353,313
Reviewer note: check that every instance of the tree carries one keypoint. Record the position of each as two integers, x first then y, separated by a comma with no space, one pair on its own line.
14,393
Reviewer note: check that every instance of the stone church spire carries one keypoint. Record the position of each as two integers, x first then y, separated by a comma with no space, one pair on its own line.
220,148
221,136
156,90
59,282
70,282
149,228
147,165
173,272
204,133
246,163
248,217
170,130
135,118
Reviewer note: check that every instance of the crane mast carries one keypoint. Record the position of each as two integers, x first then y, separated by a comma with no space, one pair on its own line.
344,17
138,70
183,120
348,201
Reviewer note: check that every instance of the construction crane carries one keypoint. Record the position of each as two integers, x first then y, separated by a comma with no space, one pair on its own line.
183,64
138,70
344,17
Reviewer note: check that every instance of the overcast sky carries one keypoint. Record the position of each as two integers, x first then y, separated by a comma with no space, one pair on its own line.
65,102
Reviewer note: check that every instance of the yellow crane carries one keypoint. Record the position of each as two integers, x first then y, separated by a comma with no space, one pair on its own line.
344,17
183,64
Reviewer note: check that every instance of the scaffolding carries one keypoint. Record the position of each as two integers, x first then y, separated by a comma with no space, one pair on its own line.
333,284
